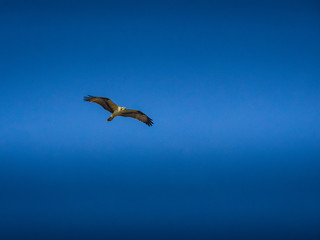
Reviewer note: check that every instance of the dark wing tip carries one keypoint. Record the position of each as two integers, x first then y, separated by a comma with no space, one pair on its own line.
88,98
149,122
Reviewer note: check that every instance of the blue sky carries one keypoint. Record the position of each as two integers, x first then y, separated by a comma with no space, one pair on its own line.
234,92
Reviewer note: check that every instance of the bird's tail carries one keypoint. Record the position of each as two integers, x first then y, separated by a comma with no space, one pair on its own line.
110,118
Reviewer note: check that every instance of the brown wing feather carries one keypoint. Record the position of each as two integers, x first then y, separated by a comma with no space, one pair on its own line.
106,103
137,115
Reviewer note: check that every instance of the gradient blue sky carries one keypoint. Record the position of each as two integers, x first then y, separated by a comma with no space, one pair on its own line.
234,91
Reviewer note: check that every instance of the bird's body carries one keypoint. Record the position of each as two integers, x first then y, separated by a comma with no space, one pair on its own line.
116,110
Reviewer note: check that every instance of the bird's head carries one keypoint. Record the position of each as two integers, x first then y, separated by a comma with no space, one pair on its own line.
123,108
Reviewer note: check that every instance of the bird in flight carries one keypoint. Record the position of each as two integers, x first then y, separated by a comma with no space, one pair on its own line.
116,110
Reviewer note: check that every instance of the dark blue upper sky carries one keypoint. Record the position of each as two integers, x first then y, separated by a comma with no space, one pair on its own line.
232,86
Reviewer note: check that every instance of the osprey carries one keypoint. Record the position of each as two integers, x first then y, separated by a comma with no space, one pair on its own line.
116,110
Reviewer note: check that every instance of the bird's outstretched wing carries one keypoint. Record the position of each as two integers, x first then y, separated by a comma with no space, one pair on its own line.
106,103
137,115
